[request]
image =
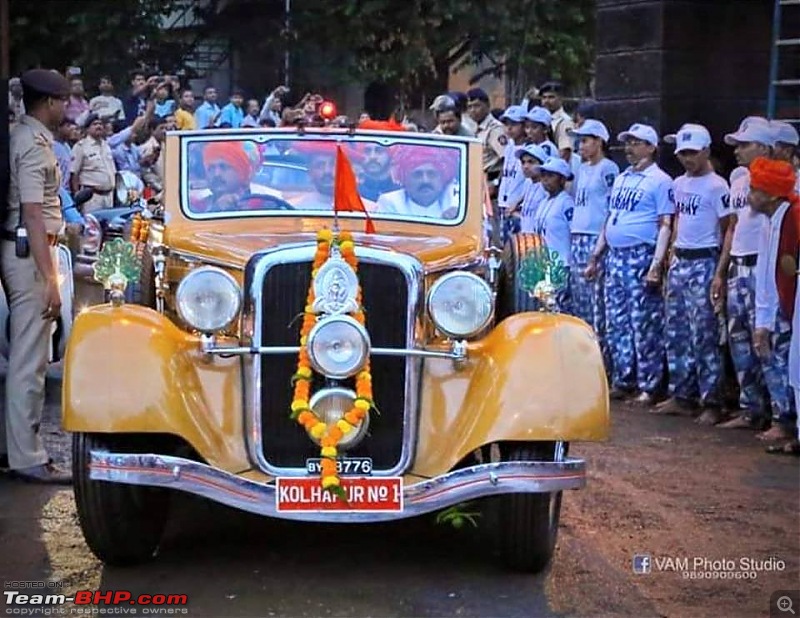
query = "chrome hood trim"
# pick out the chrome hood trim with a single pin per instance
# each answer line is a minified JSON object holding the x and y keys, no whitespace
{"x":260,"y":498}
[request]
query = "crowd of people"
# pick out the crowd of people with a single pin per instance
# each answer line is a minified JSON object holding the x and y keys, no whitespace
{"x":679,"y":277}
{"x":674,"y":275}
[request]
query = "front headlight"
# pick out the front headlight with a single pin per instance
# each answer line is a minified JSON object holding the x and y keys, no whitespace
{"x":460,"y":304}
{"x":330,"y":405}
{"x":208,"y":299}
{"x":338,"y":347}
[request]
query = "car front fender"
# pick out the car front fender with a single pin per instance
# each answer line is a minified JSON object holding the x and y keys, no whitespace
{"x":129,"y":369}
{"x":534,"y":377}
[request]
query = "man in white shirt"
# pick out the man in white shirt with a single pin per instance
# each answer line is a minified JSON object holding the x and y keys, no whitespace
{"x":787,"y":141}
{"x":702,"y":204}
{"x":736,"y":277}
{"x":429,"y":177}
{"x":106,"y":104}
{"x":771,"y":193}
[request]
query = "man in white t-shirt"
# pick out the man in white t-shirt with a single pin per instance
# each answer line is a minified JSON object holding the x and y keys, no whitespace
{"x":637,"y":234}
{"x":702,"y":204}
{"x":786,"y":145}
{"x":736,"y":278}
{"x":595,"y":178}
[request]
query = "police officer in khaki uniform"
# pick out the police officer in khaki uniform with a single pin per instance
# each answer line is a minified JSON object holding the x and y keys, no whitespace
{"x":28,"y":265}
{"x":93,"y":165}
{"x":492,"y":134}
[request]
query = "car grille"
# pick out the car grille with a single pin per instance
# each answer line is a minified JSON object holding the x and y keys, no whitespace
{"x":385,"y":298}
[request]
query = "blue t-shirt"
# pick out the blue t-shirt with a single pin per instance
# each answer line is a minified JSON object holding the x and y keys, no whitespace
{"x":638,"y":199}
{"x":166,"y":108}
{"x":231,"y":115}
{"x":700,"y":201}
{"x":552,"y":220}
{"x":592,"y":191}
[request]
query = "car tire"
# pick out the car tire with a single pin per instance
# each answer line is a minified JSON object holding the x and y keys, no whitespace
{"x":526,"y":523}
{"x":122,"y":524}
{"x":511,"y":298}
{"x":143,"y":292}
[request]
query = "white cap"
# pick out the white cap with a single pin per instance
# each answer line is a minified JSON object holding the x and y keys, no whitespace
{"x":514,"y":113}
{"x":644,"y":132}
{"x":557,"y":165}
{"x":752,"y":129}
{"x":540,"y":114}
{"x":533,"y":150}
{"x":784,"y":133}
{"x":590,"y":128}
{"x":689,"y":137}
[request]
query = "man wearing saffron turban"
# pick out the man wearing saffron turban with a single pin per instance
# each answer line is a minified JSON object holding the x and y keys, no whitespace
{"x":772,"y":194}
{"x":229,"y":168}
{"x":429,"y":177}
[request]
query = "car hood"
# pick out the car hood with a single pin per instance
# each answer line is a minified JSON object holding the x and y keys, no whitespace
{"x":434,"y":251}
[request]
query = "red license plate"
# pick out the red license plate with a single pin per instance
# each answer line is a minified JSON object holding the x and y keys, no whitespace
{"x":364,"y":494}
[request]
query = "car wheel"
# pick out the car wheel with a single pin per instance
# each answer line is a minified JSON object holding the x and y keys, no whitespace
{"x":122,"y":524}
{"x":143,"y":292}
{"x":511,"y":298}
{"x":527,"y":524}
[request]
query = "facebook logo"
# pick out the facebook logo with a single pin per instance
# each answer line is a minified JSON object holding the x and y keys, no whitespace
{"x":642,"y":563}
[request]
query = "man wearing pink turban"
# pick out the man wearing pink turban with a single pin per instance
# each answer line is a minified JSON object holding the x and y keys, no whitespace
{"x":428,"y":175}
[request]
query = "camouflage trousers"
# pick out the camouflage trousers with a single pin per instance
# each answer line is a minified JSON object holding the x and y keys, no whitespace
{"x":691,"y":331}
{"x":634,"y":315}
{"x":760,"y":380}
{"x":588,"y":302}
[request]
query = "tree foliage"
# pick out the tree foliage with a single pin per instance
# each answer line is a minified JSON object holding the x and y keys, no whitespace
{"x":101,"y":37}
{"x":410,"y":44}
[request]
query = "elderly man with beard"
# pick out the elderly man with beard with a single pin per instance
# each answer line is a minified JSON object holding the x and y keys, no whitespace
{"x":229,"y":168}
{"x":427,"y":175}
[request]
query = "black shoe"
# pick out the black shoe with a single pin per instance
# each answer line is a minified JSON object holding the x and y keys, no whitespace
{"x":4,"y":465}
{"x":619,"y":394}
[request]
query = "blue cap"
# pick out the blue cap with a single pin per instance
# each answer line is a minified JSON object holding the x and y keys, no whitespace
{"x":591,"y":128}
{"x":557,"y":165}
{"x":539,"y":114}
{"x":514,"y":113}
{"x":644,"y":132}
{"x":533,"y":150}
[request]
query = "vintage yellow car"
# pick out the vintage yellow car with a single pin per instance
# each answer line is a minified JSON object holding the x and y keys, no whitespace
{"x":280,"y":359}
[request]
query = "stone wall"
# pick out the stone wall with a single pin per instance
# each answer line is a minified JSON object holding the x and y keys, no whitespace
{"x":666,"y":62}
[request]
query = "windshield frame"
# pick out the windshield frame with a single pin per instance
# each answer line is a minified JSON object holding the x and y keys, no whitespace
{"x":265,"y":136}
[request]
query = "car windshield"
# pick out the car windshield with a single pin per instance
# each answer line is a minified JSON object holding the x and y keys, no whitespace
{"x":396,"y":178}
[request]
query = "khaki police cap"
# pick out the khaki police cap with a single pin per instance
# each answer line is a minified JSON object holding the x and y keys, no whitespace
{"x":46,"y":82}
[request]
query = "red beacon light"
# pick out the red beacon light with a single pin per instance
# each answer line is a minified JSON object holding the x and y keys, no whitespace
{"x":327,"y":110}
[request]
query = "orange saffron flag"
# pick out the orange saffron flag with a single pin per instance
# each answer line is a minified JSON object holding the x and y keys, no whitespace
{"x":346,"y":197}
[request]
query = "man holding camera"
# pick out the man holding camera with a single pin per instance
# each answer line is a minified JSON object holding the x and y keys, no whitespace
{"x":30,"y":276}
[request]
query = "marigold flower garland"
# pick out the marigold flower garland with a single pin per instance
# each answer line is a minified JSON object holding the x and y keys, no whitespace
{"x":140,"y":228}
{"x":329,"y":436}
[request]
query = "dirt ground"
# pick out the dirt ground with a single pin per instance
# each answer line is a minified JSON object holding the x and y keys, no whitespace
{"x":661,"y":486}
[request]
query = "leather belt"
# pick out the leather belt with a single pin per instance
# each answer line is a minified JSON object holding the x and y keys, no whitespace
{"x":52,"y":239}
{"x":745,"y":260}
{"x":98,"y":191}
{"x":696,"y":254}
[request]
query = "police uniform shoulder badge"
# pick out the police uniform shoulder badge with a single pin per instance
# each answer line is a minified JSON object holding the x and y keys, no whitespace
{"x":503,"y":140}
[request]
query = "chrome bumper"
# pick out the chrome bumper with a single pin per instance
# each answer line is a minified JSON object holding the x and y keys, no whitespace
{"x":419,"y":498}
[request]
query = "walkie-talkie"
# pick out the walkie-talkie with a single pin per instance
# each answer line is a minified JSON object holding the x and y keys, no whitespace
{"x":21,"y":246}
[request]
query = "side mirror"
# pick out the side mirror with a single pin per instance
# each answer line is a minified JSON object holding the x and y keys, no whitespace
{"x":82,"y":196}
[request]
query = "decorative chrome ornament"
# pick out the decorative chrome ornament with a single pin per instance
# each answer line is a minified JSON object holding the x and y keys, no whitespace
{"x":335,"y":287}
{"x":542,"y":274}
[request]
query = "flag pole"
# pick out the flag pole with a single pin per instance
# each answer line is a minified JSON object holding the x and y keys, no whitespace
{"x":335,"y":175}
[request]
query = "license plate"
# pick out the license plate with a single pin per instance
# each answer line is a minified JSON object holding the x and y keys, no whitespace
{"x":364,"y":494}
{"x":354,"y":466}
